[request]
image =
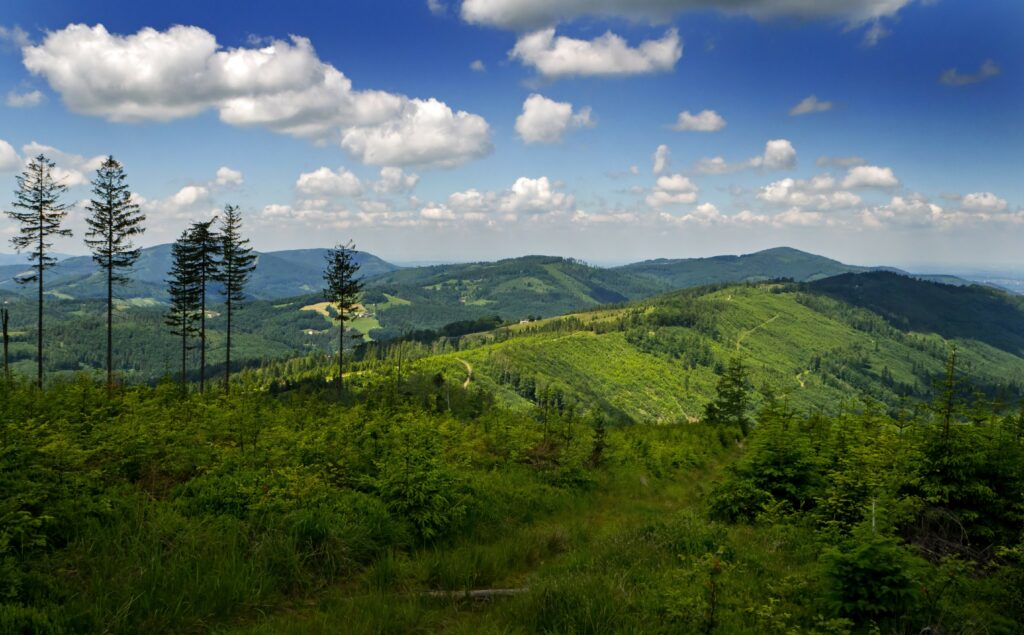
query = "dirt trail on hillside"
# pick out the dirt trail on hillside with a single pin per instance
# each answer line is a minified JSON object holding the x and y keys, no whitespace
{"x":739,"y":340}
{"x":469,"y":372}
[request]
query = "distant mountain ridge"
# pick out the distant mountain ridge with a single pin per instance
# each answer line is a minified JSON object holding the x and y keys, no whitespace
{"x":431,"y":296}
{"x":278,"y":274}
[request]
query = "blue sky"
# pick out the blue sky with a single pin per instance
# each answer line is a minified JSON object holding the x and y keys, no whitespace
{"x":907,"y":149}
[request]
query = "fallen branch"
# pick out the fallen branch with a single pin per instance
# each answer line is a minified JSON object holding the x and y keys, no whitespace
{"x":480,"y":595}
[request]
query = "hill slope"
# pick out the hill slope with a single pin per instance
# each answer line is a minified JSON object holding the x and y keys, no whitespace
{"x":657,"y":360}
{"x":429,"y":297}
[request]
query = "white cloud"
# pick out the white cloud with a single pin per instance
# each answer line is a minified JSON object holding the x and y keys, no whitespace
{"x":472,"y":200}
{"x":911,"y":210}
{"x":870,"y":176}
{"x":607,"y":54}
{"x":15,"y":99}
{"x":426,"y":133}
{"x":71,"y":169}
{"x":534,"y":196}
{"x":325,"y":182}
{"x":983,"y":202}
{"x":796,"y":217}
{"x":437,"y":213}
{"x":952,"y":77}
{"x":704,"y":121}
{"x":582,"y":217}
{"x":673,"y":189}
{"x":283,"y":86}
{"x":437,"y":7}
{"x":544,"y":120}
{"x":185,"y":204}
{"x":810,"y":105}
{"x":779,"y":154}
{"x":395,"y":181}
{"x":9,"y":159}
{"x":227,"y":177}
{"x":876,"y":32}
{"x":478,"y":66}
{"x":14,"y":36}
{"x":530,"y":14}
{"x":819,"y":193}
{"x":660,"y":158}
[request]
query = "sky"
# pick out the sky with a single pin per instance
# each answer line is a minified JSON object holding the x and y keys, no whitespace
{"x":871,"y":131}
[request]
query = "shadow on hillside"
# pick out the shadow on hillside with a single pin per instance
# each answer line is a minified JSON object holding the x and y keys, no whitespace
{"x":969,"y":312}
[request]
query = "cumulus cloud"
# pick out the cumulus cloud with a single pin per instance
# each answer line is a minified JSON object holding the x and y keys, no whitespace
{"x":870,"y":176}
{"x":534,"y":196}
{"x":478,"y":66}
{"x":810,"y":105}
{"x":704,"y":121}
{"x":910,"y":210}
{"x":952,"y":77}
{"x":544,"y":120}
{"x":818,"y":192}
{"x":983,"y":202}
{"x":426,"y":133}
{"x":519,"y":15}
{"x":71,"y":169}
{"x":325,"y":182}
{"x":32,"y":98}
{"x":437,"y":7}
{"x":797,"y":217}
{"x":283,"y":86}
{"x":9,"y":159}
{"x":608,"y":54}
{"x":226,"y":177}
{"x":779,"y":154}
{"x":674,"y":189}
{"x":395,"y":181}
{"x":660,"y":158}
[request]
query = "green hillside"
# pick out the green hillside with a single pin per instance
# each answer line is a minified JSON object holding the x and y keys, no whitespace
{"x":429,"y":297}
{"x":658,"y":360}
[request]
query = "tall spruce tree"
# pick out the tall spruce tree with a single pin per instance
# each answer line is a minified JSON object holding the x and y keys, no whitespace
{"x":343,"y":288}
{"x":204,"y":246}
{"x":114,"y":220}
{"x":237,"y":263}
{"x":39,"y":212}
{"x":183,"y":288}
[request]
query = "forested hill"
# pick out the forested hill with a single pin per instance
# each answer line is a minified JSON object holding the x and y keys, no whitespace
{"x":278,"y":274}
{"x":879,"y":336}
{"x":429,"y":297}
{"x":780,"y":262}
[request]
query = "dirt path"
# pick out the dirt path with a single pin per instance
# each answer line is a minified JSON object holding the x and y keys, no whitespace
{"x":739,"y":340}
{"x":469,"y":372}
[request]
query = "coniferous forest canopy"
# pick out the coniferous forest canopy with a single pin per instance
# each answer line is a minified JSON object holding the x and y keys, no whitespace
{"x":237,"y":416}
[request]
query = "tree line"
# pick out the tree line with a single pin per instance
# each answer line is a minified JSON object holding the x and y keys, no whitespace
{"x":207,"y":253}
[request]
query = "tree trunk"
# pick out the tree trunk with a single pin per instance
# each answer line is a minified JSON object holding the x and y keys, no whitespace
{"x":341,"y":354}
{"x":202,"y":333}
{"x":39,"y":338}
{"x":184,"y":350}
{"x":7,"y":367}
{"x":227,"y":358}
{"x":110,"y":327}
